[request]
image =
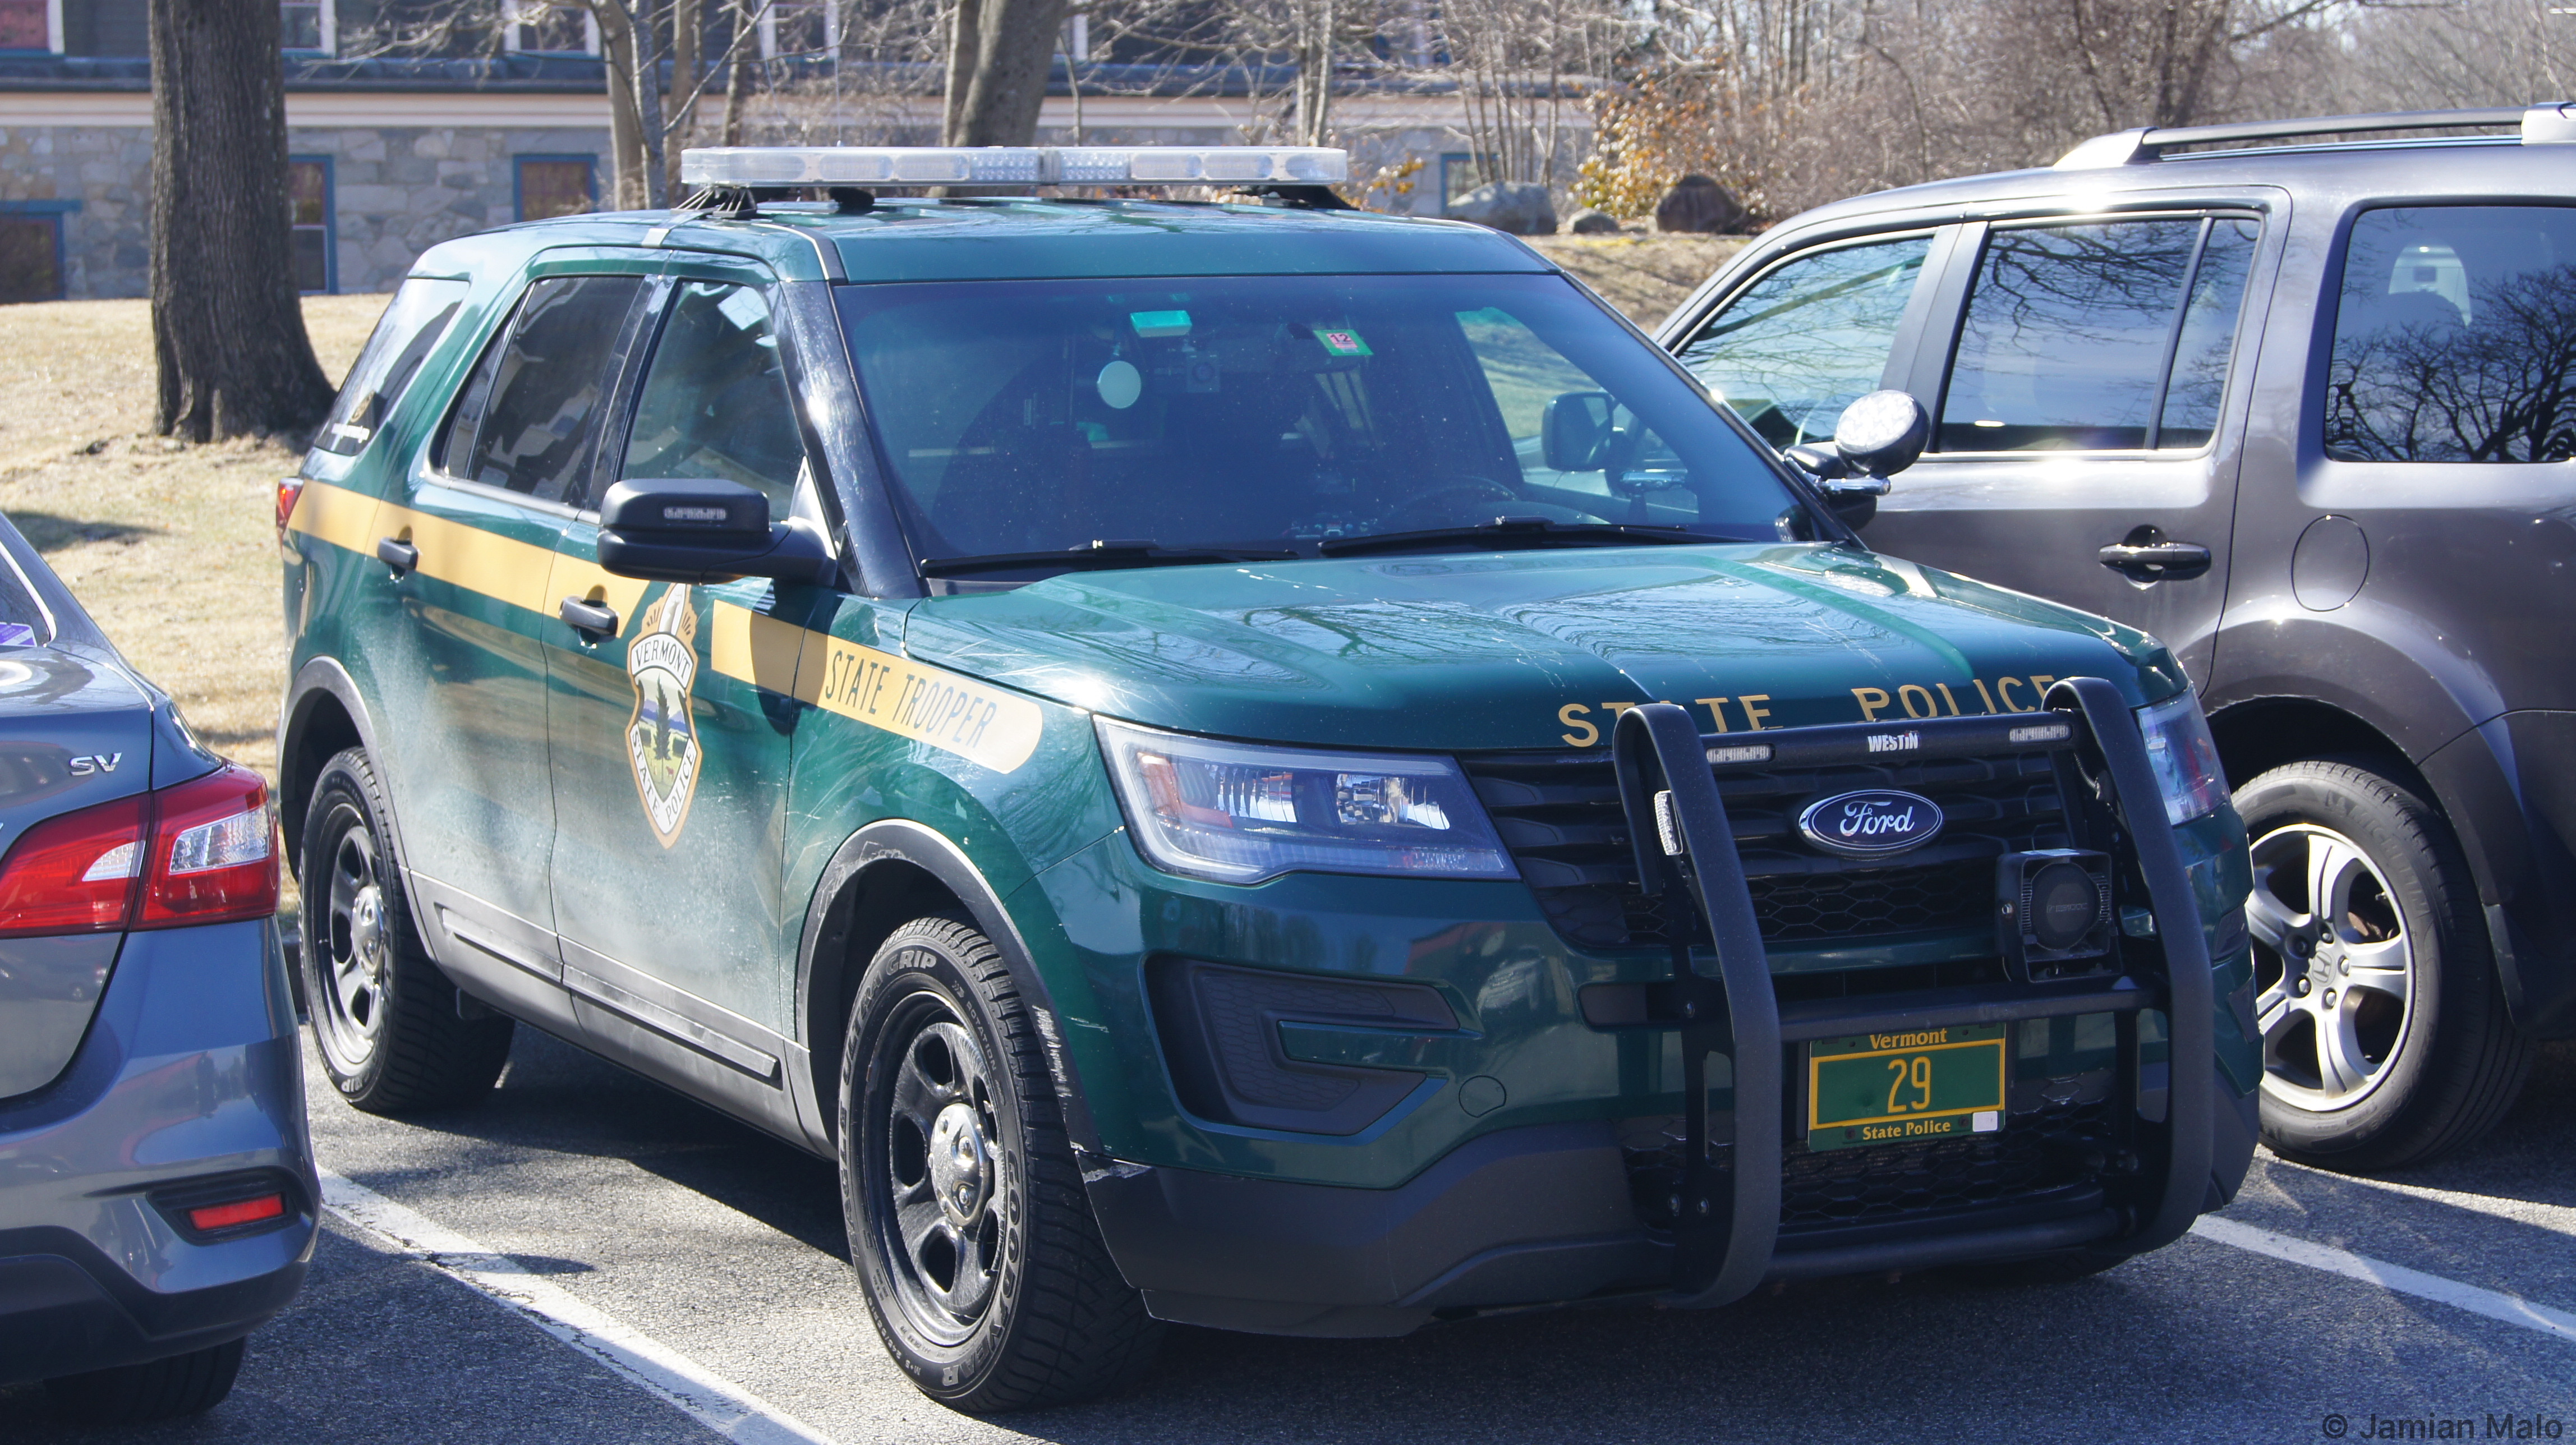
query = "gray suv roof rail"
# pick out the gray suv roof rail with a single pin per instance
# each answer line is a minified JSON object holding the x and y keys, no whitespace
{"x":2550,"y":123}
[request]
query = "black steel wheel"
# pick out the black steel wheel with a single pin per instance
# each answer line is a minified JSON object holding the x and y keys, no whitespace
{"x":385,"y":1019}
{"x":973,"y":1241}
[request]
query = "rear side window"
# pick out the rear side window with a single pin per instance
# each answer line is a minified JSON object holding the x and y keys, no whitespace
{"x":2455,"y":337}
{"x":1809,"y":338}
{"x":2100,"y":336}
{"x":410,"y":329}
{"x":715,"y":401}
{"x":531,"y":410}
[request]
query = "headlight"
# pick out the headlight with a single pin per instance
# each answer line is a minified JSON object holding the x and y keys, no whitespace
{"x":1240,"y":814}
{"x":2184,"y":756}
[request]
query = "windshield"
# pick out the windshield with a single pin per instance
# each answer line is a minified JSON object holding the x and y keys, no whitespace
{"x":1283,"y":413}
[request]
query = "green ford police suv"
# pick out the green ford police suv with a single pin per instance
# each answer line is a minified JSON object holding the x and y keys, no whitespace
{"x":1239,"y":763}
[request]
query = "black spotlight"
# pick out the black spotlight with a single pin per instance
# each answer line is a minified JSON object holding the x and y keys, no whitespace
{"x":2053,"y":910}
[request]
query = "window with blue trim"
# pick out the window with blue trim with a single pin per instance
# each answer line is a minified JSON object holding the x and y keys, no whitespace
{"x":31,"y":254}
{"x":308,"y":191}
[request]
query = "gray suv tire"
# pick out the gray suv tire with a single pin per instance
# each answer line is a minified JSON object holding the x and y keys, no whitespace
{"x":2385,"y":1037}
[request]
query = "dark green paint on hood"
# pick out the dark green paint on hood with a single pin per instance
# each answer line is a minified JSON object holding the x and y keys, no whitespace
{"x":1528,"y":650}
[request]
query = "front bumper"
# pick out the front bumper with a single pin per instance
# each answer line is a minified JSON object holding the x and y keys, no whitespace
{"x":2114,"y":1154}
{"x":191,"y":1070}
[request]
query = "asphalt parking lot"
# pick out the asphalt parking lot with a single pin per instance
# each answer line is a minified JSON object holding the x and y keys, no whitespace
{"x":705,"y":1257}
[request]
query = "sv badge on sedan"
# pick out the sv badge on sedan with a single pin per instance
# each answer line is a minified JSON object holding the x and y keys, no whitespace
{"x":1871,"y":823}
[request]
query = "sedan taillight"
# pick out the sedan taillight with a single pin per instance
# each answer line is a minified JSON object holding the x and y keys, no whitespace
{"x":204,"y":851}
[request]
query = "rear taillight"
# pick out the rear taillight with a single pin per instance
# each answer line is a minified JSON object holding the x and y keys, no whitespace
{"x":288,"y":489}
{"x":211,"y":858}
{"x":213,"y":1217}
{"x":214,"y":852}
{"x":76,"y":873}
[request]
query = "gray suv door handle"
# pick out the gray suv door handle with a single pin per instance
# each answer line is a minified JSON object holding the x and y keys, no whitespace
{"x":2147,"y":556}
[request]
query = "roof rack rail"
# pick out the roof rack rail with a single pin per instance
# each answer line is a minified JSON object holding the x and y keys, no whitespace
{"x":2550,"y":123}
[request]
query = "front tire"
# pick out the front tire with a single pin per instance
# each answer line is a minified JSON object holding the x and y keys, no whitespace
{"x":973,"y":1240}
{"x":384,"y":1017}
{"x":2385,"y":1036}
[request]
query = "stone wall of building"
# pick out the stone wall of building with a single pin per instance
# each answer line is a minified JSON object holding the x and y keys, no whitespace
{"x":396,"y":192}
{"x":102,"y":178}
{"x":399,"y":191}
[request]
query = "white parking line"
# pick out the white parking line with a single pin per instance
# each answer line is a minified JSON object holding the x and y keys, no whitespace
{"x":2494,"y":1304}
{"x":709,"y":1398}
{"x":2556,"y":1218}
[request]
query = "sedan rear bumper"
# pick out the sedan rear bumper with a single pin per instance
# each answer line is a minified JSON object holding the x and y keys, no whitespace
{"x":191,"y":1070}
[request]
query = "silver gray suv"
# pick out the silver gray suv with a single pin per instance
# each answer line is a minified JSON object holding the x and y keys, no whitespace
{"x":2302,"y":403}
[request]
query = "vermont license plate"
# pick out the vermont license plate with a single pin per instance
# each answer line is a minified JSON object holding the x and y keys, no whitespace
{"x":1897,"y":1088}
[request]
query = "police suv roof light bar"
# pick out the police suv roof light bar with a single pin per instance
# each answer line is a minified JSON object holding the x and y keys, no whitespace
{"x":729,"y":167}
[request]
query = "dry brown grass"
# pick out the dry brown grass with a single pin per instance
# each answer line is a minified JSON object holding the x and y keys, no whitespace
{"x":1645,"y":276}
{"x":172,"y":548}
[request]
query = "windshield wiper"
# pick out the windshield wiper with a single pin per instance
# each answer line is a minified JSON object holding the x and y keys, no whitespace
{"x":1507,"y":533}
{"x":1099,"y":556}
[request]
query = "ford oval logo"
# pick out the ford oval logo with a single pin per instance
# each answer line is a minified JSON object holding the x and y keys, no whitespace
{"x":1871,"y":823}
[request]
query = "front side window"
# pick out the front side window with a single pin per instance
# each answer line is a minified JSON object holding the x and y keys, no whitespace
{"x":1809,"y":338}
{"x":715,"y":401}
{"x":2455,"y":337}
{"x":404,"y":336}
{"x":530,"y":412}
{"x":2098,"y":336}
{"x":1284,"y":413}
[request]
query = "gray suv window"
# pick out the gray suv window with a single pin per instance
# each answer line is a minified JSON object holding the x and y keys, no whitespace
{"x":1808,"y":338}
{"x":2455,"y":337}
{"x":2078,"y":337}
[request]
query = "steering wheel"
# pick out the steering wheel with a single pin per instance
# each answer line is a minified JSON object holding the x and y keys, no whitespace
{"x":1432,"y":508}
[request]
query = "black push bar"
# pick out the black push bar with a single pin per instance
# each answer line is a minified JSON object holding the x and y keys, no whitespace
{"x":1726,"y":1231}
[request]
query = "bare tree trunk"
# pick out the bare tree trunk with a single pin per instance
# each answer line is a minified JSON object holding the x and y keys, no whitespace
{"x":687,"y":25}
{"x":625,"y":133}
{"x":227,"y":328}
{"x":1014,"y":49}
{"x":738,"y":81}
{"x":965,"y":51}
{"x":648,"y":101}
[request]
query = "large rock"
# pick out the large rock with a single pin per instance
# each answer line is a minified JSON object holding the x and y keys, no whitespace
{"x":1697,"y":205}
{"x":1519,"y":207}
{"x":1589,"y":222}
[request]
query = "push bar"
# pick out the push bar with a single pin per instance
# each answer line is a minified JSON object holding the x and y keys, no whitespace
{"x":1683,"y":843}
{"x":1677,"y":824}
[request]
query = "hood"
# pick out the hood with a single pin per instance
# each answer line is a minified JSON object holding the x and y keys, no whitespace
{"x":1530,"y":649}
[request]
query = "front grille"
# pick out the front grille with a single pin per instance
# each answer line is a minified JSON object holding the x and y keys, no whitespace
{"x":2035,"y":1153}
{"x":1559,"y":814}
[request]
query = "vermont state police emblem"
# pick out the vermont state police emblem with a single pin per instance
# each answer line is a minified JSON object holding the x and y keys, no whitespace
{"x":662,"y":736}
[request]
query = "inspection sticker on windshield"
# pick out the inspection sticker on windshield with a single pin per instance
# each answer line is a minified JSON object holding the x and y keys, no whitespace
{"x":1343,"y":343}
{"x":17,"y":634}
{"x":1160,"y":323}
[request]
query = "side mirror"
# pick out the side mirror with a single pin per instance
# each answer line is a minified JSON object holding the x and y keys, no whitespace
{"x":703,"y":530}
{"x":1575,"y":431}
{"x":1882,"y":434}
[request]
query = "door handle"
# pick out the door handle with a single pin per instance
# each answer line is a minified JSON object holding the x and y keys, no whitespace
{"x":590,"y":617}
{"x":399,"y":555}
{"x":2147,"y":555}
